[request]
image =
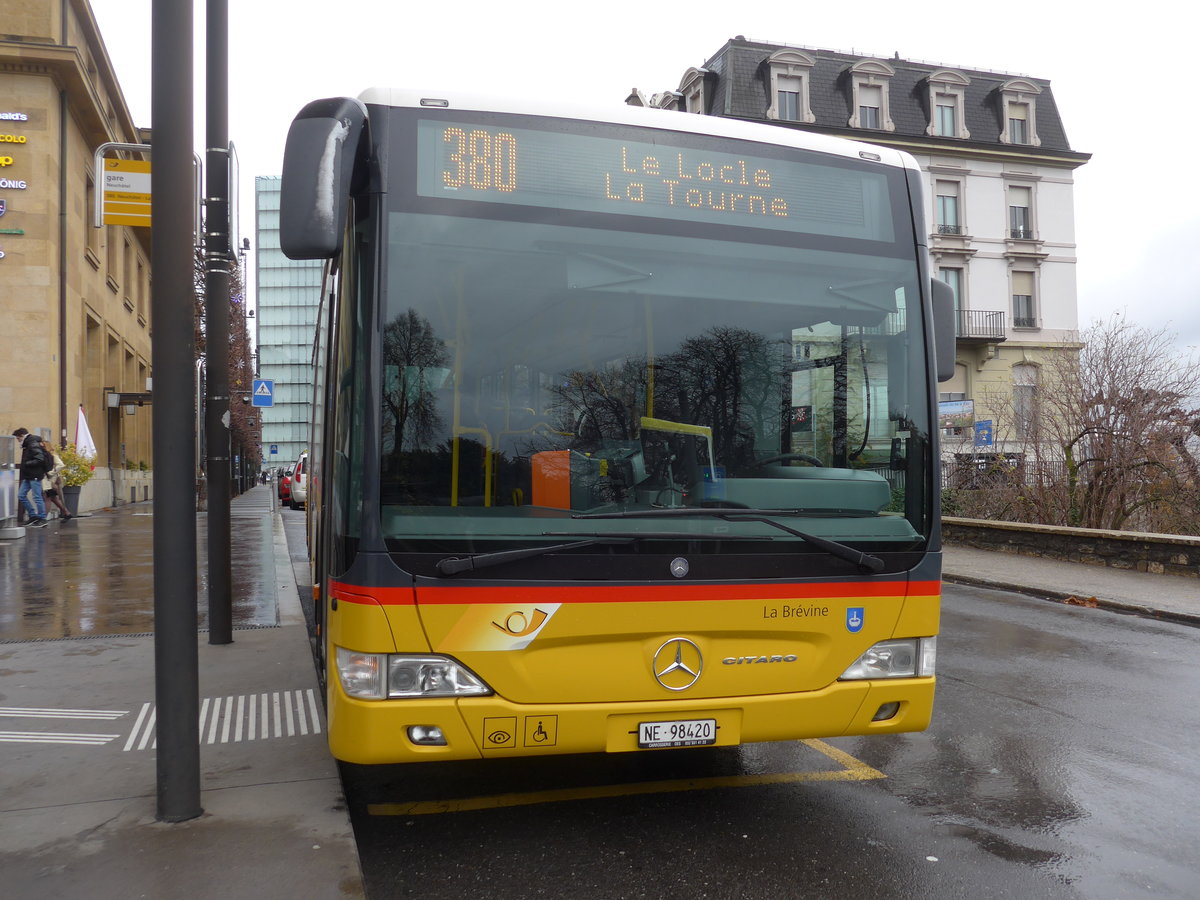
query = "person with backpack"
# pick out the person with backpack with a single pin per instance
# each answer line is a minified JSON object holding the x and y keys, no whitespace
{"x":35,"y":463}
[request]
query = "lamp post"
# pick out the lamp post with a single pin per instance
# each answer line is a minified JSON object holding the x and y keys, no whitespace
{"x":217,"y":263}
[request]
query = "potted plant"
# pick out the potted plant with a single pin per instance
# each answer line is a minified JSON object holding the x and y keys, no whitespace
{"x":76,"y":471}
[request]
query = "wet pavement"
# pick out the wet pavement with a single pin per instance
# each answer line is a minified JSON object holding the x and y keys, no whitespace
{"x":79,"y":724}
{"x":94,"y":575}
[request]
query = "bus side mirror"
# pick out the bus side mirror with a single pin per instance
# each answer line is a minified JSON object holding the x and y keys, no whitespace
{"x":318,"y":165}
{"x":943,"y":328}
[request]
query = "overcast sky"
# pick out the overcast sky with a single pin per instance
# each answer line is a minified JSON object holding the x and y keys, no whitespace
{"x":1119,"y":76}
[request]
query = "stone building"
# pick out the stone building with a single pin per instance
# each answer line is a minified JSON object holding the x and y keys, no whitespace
{"x":74,"y":299}
{"x":998,"y":202}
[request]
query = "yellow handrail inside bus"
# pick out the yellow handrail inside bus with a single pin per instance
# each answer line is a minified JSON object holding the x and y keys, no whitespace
{"x":704,"y":431}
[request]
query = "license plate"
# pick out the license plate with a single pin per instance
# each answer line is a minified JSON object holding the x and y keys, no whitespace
{"x":682,"y":733}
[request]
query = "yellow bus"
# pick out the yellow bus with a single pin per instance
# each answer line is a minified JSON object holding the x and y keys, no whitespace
{"x":622,"y":435}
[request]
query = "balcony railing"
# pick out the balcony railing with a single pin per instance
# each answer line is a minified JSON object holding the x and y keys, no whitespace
{"x":1023,"y":322}
{"x":1021,"y":232}
{"x":949,"y":229}
{"x":980,"y":324}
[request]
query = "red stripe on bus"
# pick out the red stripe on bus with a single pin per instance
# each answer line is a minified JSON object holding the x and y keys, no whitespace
{"x":661,"y":593}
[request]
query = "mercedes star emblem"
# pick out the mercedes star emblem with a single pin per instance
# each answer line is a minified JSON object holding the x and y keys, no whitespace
{"x":678,"y":664}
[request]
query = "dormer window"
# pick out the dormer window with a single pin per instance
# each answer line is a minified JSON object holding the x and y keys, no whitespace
{"x":1018,"y":123}
{"x":870,"y":102}
{"x":666,"y":100}
{"x":947,"y":104}
{"x":1018,"y":99}
{"x":869,"y":79}
{"x":789,"y":73}
{"x":692,"y":89}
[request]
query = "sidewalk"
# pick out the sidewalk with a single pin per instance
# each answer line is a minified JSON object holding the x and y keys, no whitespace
{"x":1161,"y":596}
{"x":77,"y":736}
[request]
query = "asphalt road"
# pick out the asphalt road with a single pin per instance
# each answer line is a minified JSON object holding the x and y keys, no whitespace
{"x":1059,"y":764}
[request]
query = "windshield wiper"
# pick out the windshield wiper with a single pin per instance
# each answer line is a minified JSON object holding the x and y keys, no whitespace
{"x":453,"y":565}
{"x":865,"y":561}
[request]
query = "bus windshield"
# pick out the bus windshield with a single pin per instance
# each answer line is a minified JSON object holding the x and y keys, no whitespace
{"x":556,"y":364}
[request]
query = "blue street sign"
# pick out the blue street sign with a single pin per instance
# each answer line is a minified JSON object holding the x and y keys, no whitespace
{"x":274,"y":449}
{"x":264,"y":392}
{"x":983,"y":433}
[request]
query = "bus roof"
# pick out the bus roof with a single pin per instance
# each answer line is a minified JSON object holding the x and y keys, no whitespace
{"x":620,"y":114}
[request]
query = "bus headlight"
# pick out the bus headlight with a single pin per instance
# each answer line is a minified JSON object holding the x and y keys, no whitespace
{"x":361,"y":674}
{"x":376,"y":676}
{"x":432,"y":676}
{"x":908,"y":658}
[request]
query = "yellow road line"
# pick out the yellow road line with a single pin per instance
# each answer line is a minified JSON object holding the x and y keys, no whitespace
{"x":854,"y":770}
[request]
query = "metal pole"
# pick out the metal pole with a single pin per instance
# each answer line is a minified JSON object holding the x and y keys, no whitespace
{"x":176,"y":656}
{"x":217,"y":260}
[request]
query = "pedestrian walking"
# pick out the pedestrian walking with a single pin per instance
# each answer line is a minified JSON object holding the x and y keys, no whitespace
{"x":36,"y":461}
{"x":52,"y":486}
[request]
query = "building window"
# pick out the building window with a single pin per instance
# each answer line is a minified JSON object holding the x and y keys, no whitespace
{"x":954,"y":278}
{"x":1023,"y":300}
{"x":1018,"y":123}
{"x":1020,"y":206}
{"x":692,"y":89}
{"x":869,"y":79}
{"x":113,"y":257}
{"x":1025,"y":400}
{"x":870,"y":102}
{"x":91,"y":239}
{"x":1018,"y":113}
{"x":946,"y":210}
{"x":788,"y":78}
{"x":947,"y":104}
{"x":141,"y":290}
{"x":130,"y":285}
{"x":787,"y":102}
{"x":947,"y":119}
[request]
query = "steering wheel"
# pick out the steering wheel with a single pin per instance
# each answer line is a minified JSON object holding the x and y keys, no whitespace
{"x":786,"y":457}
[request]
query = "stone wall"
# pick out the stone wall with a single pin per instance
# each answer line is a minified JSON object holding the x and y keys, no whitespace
{"x":1168,"y":554}
{"x":116,"y":487}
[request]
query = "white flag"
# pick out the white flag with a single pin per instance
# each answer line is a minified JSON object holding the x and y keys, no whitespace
{"x":84,"y":444}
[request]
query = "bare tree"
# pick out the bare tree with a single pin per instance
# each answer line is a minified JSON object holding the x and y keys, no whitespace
{"x":245,"y":424}
{"x":1107,"y":439}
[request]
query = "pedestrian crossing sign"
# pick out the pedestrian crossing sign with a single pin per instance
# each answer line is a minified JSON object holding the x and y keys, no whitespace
{"x":264,"y":392}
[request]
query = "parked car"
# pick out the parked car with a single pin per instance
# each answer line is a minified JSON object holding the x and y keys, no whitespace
{"x":299,"y":486}
{"x":285,"y":486}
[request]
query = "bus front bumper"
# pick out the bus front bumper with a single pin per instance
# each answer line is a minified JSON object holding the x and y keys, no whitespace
{"x":382,"y":731}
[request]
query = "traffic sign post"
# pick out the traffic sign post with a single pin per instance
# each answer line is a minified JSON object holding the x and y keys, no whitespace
{"x":264,"y":392}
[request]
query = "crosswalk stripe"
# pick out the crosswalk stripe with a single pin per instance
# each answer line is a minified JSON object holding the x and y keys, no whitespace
{"x":22,"y":712}
{"x":244,"y":717}
{"x":48,"y":737}
{"x":137,"y":726}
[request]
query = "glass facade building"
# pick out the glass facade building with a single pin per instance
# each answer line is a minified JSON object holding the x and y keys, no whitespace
{"x":289,"y":293}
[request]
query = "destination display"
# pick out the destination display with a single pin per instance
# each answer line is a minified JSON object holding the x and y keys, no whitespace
{"x":526,"y":167}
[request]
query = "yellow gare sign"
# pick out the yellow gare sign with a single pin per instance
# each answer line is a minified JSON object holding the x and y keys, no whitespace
{"x":126,"y":192}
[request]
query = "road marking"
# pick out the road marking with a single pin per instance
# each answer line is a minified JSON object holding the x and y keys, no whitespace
{"x":240,"y":719}
{"x":50,"y":737}
{"x":853,"y":770}
{"x":137,"y":726}
{"x":19,"y":712}
{"x":229,"y":719}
